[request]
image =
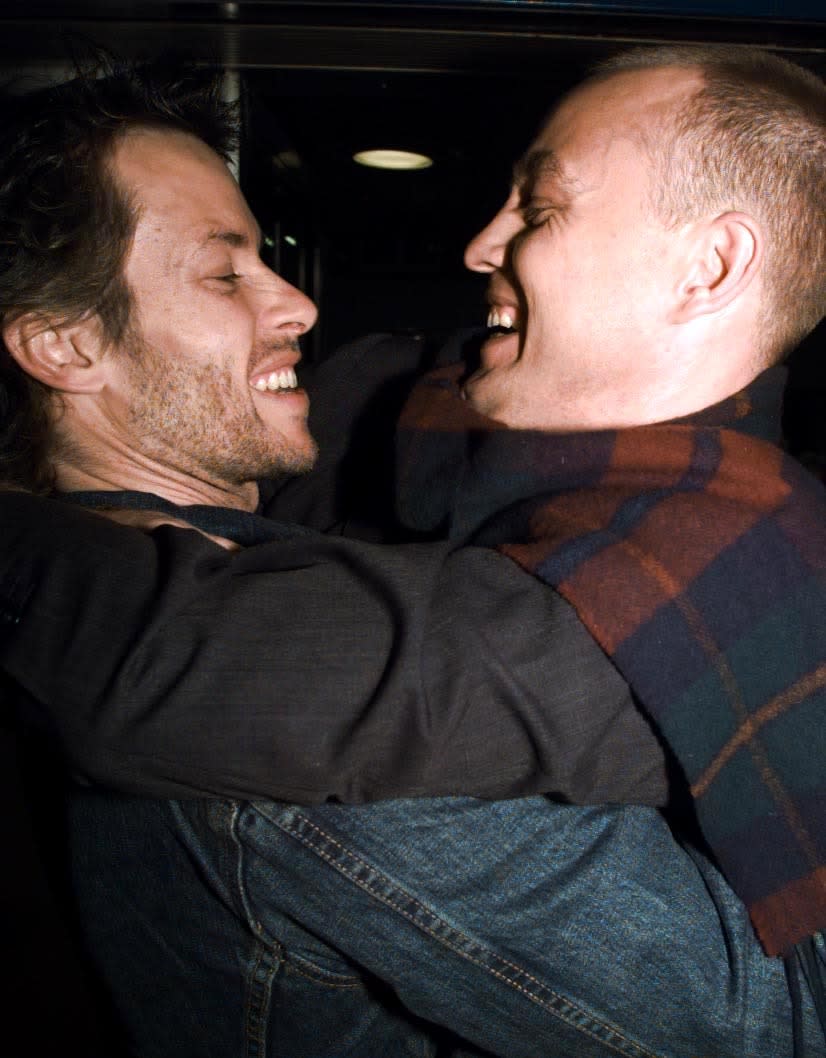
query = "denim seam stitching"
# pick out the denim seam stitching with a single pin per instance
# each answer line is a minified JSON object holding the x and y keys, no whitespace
{"x":559,"y":1006}
{"x":353,"y":985}
{"x":267,"y":958}
{"x":288,"y":959}
{"x":257,"y":1002}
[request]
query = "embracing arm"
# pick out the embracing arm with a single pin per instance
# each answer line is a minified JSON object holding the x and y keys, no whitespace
{"x":308,"y":669}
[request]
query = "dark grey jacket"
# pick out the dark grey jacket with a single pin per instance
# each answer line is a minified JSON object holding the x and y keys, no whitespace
{"x":307,"y":668}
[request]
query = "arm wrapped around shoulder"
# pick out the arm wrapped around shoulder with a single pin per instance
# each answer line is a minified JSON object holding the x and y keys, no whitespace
{"x":308,"y":669}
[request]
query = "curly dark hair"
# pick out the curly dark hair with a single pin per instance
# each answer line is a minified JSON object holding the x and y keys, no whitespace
{"x":65,"y":225}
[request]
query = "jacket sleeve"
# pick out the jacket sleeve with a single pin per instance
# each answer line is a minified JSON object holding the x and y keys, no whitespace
{"x":310,"y":669}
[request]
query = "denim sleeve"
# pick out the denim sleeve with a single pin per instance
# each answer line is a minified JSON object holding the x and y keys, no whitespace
{"x":308,"y":670}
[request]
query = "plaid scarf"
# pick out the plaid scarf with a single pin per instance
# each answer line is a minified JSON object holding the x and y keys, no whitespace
{"x":694,"y":551}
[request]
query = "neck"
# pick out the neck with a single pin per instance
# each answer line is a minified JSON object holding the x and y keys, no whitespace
{"x":182,"y":490}
{"x":681,"y":381}
{"x":91,"y":451}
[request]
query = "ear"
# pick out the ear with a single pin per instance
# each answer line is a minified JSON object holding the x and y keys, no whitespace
{"x":64,"y":356}
{"x":726,"y":257}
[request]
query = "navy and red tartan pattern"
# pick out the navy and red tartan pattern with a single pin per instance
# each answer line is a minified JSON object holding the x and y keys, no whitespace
{"x":695,"y":553}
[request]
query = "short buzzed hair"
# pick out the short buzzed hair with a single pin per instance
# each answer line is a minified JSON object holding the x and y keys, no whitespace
{"x":752,"y":139}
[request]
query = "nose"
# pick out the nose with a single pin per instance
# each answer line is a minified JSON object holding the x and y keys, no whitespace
{"x":486,"y":251}
{"x":285,"y":308}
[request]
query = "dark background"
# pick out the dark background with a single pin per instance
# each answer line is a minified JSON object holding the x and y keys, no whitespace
{"x":465,"y":82}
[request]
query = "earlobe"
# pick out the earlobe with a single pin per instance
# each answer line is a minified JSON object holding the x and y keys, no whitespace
{"x":726,"y":259}
{"x":64,"y":357}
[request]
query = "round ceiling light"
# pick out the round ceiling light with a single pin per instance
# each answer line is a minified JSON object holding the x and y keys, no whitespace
{"x":387,"y":159}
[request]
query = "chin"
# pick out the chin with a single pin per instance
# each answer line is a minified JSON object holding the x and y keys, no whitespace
{"x":299,"y":458}
{"x":478,"y":395}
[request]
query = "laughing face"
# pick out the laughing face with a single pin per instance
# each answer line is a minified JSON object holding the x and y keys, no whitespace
{"x":206,"y":386}
{"x":581,"y":270}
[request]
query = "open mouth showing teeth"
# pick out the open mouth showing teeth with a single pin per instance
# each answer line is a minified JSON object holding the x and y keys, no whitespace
{"x":500,"y":321}
{"x":277,"y":380}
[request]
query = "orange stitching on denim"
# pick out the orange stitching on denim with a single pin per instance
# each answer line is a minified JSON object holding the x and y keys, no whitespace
{"x":638,"y":1050}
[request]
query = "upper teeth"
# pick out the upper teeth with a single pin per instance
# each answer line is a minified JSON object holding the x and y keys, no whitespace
{"x":284,"y":379}
{"x":499,"y":319}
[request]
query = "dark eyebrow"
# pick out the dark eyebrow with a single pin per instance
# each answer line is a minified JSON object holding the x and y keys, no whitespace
{"x":534,"y":164}
{"x":236,"y":239}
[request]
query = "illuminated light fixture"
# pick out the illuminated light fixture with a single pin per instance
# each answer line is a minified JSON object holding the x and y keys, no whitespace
{"x":387,"y":159}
